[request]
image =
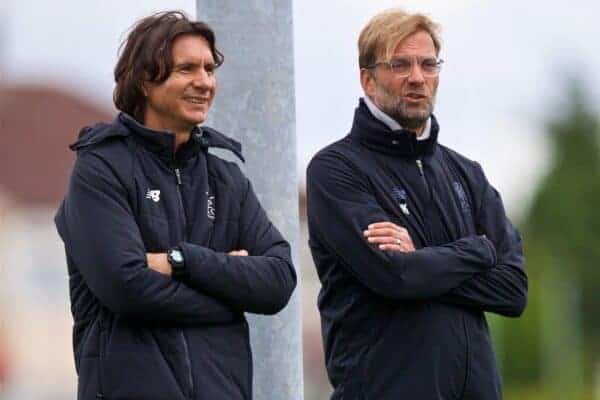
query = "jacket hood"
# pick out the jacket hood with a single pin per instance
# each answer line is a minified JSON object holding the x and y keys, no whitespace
{"x":91,"y":135}
{"x":213,"y":138}
{"x":377,"y":136}
{"x":202,"y":138}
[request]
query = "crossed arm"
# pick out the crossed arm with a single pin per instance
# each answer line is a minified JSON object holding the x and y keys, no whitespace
{"x":484,"y":271}
{"x":160,"y":263}
{"x":502,"y":290}
{"x":102,"y":238}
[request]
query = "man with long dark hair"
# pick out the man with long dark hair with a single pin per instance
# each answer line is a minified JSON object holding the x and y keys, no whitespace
{"x":167,"y":245}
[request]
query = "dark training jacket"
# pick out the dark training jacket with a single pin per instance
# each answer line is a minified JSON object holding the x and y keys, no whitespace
{"x":139,"y":334}
{"x":410,"y":325}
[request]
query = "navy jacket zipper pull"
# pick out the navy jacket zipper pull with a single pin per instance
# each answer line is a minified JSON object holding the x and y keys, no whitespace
{"x":420,"y":166}
{"x":178,"y":176}
{"x":180,"y":198}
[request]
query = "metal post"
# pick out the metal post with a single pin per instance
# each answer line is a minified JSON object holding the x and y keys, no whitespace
{"x":255,"y":104}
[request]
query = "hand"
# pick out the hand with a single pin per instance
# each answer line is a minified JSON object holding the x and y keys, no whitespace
{"x":389,"y":236}
{"x":240,"y":253}
{"x":159,"y":263}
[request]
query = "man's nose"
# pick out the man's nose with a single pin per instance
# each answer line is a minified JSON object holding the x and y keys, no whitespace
{"x":416,"y":75}
{"x":203,"y":80}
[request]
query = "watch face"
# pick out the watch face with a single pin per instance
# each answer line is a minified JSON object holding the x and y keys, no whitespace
{"x":177,"y":256}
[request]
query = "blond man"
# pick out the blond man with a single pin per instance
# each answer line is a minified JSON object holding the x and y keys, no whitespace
{"x":410,"y":240}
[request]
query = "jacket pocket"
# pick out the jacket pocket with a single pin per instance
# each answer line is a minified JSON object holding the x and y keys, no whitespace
{"x":413,"y":360}
{"x":417,"y":379}
{"x":88,"y":361}
{"x":223,"y":361}
{"x":144,"y":363}
{"x":136,"y":375}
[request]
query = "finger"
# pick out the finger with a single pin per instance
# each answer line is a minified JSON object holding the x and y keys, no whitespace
{"x":390,"y":247}
{"x":384,"y":240}
{"x":383,"y":224}
{"x":405,"y":237}
{"x":238,"y":253}
{"x":393,"y":247}
{"x":383,"y":232}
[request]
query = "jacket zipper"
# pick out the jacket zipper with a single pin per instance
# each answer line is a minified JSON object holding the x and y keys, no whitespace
{"x":189,"y":361}
{"x":180,"y":197}
{"x":419,"y":163}
{"x":100,"y":394}
{"x":467,"y":359}
{"x":184,"y":225}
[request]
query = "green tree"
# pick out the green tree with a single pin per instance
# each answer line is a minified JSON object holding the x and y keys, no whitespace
{"x":561,"y":328}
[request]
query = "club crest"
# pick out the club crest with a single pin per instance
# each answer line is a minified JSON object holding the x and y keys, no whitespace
{"x":400,"y":197}
{"x":462,"y":198}
{"x":210,"y":206}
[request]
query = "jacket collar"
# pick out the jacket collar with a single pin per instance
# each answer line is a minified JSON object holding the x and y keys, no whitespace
{"x":374,"y":134}
{"x":161,"y":143}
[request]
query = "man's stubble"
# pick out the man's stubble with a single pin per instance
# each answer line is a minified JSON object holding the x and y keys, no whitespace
{"x":398,"y":109}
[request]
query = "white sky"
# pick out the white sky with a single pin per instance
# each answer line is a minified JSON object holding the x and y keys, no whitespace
{"x":506,"y":66}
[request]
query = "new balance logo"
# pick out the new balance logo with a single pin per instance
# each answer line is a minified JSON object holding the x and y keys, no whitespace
{"x":153,"y":195}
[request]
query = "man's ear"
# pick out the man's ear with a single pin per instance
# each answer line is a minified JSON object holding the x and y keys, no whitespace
{"x":367,"y":81}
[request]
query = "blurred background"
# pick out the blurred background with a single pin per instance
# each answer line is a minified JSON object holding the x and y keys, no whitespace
{"x":519,"y":92}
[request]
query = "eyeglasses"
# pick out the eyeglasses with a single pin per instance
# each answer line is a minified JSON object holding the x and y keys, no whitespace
{"x":402,"y":66}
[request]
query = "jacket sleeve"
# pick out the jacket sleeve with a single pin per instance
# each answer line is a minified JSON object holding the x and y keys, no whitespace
{"x":341,"y":204}
{"x":260,"y":283}
{"x":103,"y":240}
{"x":502,"y":289}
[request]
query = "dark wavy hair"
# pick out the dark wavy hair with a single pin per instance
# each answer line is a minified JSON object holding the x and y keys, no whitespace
{"x":145,"y":56}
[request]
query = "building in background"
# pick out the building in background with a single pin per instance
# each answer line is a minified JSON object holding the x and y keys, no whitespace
{"x":37,"y":124}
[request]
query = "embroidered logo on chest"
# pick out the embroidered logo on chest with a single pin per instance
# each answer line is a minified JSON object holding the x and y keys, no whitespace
{"x":462,"y":198}
{"x":399,"y":196}
{"x":153,"y":195}
{"x":210,"y":206}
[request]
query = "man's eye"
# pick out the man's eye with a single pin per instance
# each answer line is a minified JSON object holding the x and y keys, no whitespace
{"x":400,"y":64}
{"x":210,"y":69}
{"x":430,"y":64}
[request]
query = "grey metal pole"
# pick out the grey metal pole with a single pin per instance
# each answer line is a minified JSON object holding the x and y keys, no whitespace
{"x":255,"y":104}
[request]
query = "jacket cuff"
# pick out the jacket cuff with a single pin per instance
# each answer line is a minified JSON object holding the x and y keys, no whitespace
{"x":195,"y":257}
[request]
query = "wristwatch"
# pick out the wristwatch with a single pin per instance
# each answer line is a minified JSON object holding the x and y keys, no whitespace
{"x":175,"y":258}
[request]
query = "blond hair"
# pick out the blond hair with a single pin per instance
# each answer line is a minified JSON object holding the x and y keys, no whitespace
{"x":387,"y":29}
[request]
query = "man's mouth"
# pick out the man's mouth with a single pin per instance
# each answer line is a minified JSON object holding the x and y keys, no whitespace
{"x":415,"y":96}
{"x":196,"y":99}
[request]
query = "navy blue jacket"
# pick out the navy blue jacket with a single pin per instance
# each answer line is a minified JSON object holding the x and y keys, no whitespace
{"x":410,"y":325}
{"x":139,"y":334}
